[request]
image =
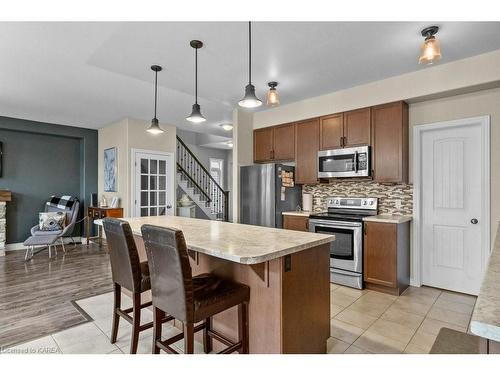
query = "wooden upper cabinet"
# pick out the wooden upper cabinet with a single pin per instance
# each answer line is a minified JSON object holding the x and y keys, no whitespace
{"x":331,"y":131}
{"x":306,"y":151}
{"x":284,"y":142}
{"x":263,"y":144}
{"x":390,"y":142}
{"x":276,"y":143}
{"x":380,"y":254}
{"x":357,"y":127}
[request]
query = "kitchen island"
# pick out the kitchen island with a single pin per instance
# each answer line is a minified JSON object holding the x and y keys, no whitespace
{"x":288,"y":273}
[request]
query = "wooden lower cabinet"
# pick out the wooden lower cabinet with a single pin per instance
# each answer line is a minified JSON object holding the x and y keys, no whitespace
{"x":387,"y":256}
{"x":294,"y":222}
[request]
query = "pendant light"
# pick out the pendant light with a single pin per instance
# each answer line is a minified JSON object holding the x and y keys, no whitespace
{"x":196,"y":115}
{"x":430,"y":51}
{"x":250,"y":100}
{"x":154,"y":128}
{"x":273,"y":99}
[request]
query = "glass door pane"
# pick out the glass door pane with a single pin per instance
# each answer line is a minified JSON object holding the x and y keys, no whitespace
{"x":151,"y":173}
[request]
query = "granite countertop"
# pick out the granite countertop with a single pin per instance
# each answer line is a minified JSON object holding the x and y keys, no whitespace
{"x":388,"y":218}
{"x":485,"y":320}
{"x":245,"y":244}
{"x":297,"y":213}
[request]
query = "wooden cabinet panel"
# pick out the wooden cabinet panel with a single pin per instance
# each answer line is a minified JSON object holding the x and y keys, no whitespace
{"x":284,"y":142}
{"x":390,"y":142}
{"x":380,"y":254}
{"x":296,"y":223}
{"x":262,"y":144}
{"x":306,"y":151}
{"x":357,"y":127}
{"x":331,"y":131}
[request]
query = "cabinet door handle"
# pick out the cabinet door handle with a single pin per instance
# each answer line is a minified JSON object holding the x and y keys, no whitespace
{"x":345,"y":141}
{"x":341,"y":141}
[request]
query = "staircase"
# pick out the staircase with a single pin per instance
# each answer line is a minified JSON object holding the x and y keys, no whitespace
{"x":194,"y":179}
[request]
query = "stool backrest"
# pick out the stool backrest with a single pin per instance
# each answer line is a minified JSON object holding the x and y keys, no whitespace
{"x":170,"y":271}
{"x":125,"y":263}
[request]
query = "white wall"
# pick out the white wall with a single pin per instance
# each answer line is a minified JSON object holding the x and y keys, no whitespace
{"x":126,"y":135}
{"x":242,"y":153}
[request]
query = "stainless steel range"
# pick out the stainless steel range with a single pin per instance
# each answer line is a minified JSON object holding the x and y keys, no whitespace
{"x":344,"y":219}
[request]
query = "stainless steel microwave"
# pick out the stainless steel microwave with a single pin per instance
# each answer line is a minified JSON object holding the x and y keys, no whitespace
{"x":344,"y":162}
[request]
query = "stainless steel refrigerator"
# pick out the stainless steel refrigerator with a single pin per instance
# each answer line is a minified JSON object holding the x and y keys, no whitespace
{"x":264,"y":194}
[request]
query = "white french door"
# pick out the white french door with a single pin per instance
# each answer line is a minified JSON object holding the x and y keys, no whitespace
{"x":453,"y":183}
{"x":152,"y":183}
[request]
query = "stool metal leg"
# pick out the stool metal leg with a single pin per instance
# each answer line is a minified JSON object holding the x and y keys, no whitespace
{"x":62,"y":244}
{"x":50,"y":251}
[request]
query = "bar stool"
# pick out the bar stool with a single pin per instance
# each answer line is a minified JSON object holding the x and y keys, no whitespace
{"x":190,"y":299}
{"x":127,"y":272}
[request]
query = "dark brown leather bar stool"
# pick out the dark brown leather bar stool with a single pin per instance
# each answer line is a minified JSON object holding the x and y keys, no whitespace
{"x":127,"y":272}
{"x":190,"y":299}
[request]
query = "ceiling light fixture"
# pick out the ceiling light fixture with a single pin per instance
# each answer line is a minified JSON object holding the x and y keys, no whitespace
{"x":430,"y":51}
{"x":273,"y":99}
{"x":154,"y":128}
{"x":250,"y":100}
{"x":227,"y":127}
{"x":196,"y":115}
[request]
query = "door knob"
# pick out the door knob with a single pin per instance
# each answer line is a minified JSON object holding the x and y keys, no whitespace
{"x":474,"y":221}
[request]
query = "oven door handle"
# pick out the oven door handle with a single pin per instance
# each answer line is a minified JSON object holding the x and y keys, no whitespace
{"x":334,"y":224}
{"x":355,"y":162}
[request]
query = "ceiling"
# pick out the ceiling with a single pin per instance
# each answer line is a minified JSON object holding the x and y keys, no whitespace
{"x":89,"y":74}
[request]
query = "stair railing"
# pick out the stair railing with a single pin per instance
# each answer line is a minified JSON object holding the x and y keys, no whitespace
{"x":216,"y":198}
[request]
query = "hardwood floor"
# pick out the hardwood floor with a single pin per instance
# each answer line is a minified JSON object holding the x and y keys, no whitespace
{"x":35,"y":296}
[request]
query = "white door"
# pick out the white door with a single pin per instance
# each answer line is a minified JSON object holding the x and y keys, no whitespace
{"x":152,"y":196}
{"x":453,"y":213}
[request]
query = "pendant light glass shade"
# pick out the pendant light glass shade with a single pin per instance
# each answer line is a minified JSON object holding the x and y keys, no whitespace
{"x":273,"y":99}
{"x":430,"y":51}
{"x":250,"y":100}
{"x":196,"y":115}
{"x":154,"y":128}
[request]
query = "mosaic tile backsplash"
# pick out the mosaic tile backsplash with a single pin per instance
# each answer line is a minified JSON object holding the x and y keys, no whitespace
{"x":392,"y":198}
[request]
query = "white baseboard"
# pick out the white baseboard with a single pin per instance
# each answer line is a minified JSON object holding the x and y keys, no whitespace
{"x":19,"y":245}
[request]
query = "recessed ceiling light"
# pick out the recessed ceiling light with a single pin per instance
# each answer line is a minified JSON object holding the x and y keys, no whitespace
{"x":227,"y":127}
{"x":430,"y":51}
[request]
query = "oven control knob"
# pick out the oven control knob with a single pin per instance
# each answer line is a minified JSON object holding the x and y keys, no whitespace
{"x":371,"y":203}
{"x":364,"y":203}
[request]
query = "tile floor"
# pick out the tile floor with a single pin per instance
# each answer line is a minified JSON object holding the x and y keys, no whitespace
{"x":362,"y":321}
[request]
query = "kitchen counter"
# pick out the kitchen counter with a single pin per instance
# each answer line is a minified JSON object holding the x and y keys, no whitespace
{"x":288,"y":273}
{"x":485,"y":320}
{"x":240,"y":243}
{"x":388,"y":218}
{"x":297,"y":213}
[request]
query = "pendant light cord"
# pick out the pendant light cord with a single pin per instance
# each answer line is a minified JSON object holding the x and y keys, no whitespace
{"x":250,"y":52}
{"x":156,"y":88}
{"x":196,"y":75}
